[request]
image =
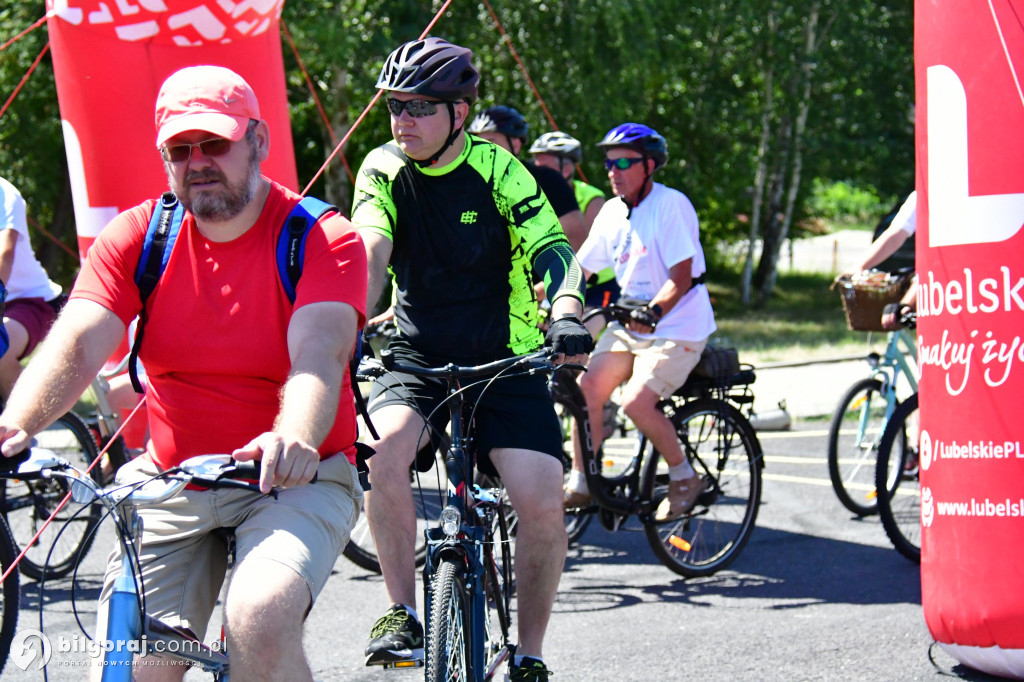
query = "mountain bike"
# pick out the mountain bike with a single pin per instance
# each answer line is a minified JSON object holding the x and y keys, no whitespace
{"x":898,"y":481}
{"x":468,"y":580}
{"x":855,"y":431}
{"x":131,"y":631}
{"x":719,"y":443}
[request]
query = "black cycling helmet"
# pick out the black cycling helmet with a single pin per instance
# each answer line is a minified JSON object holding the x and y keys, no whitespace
{"x":558,"y":144}
{"x":640,"y":138}
{"x":432,"y":67}
{"x":501,"y":119}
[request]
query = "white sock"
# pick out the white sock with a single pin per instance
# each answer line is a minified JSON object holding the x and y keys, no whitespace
{"x":681,"y":471}
{"x":517,"y":660}
{"x":577,"y":481}
{"x":412,"y":611}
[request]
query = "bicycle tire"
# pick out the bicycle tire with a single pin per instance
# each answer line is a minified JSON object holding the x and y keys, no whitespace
{"x":449,"y":631}
{"x":899,"y":489}
{"x":27,"y":505}
{"x":10,"y":593}
{"x":853,"y":437}
{"x":721,"y":446}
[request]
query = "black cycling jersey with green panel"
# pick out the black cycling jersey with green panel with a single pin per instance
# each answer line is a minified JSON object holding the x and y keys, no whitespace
{"x":467,"y":239}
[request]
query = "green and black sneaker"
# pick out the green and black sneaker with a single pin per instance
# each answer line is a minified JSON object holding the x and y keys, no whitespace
{"x":528,"y":670}
{"x":397,"y":638}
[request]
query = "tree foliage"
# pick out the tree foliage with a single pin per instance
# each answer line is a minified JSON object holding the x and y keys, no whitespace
{"x":757,"y":98}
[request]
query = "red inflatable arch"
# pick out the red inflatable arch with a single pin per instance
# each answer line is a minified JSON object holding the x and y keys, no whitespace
{"x":969,"y":58}
{"x":110,"y":58}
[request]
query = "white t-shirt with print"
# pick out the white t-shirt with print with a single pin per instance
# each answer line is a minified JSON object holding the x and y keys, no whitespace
{"x":28,"y":279}
{"x":642,"y":246}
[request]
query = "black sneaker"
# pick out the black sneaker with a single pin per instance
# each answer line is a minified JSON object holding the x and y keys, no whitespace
{"x":397,"y":636}
{"x":530,"y":670}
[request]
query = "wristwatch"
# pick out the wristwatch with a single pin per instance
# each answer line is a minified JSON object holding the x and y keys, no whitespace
{"x":655,"y":309}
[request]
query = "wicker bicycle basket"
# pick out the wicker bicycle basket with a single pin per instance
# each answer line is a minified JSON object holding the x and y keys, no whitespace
{"x":866,"y":294}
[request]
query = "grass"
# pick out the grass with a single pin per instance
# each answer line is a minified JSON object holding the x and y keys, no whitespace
{"x":803,"y":320}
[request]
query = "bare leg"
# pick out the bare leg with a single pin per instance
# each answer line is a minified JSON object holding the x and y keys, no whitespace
{"x":390,"y":508}
{"x":10,"y":366}
{"x":533,"y":481}
{"x":606,"y":371}
{"x":264,"y":610}
{"x":641,"y":405}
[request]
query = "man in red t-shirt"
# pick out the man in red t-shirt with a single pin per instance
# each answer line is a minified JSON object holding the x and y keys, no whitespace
{"x":233,"y":367}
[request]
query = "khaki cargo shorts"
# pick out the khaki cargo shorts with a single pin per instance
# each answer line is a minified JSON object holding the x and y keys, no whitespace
{"x":662,"y":365}
{"x":184,"y":563}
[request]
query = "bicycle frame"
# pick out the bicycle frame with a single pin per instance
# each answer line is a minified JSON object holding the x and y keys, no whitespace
{"x":888,"y":368}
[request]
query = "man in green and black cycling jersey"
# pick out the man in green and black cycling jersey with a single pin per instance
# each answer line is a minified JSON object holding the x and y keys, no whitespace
{"x":464,"y":229}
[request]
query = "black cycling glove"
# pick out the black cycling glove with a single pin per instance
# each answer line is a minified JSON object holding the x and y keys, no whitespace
{"x":648,"y":315}
{"x":568,"y":335}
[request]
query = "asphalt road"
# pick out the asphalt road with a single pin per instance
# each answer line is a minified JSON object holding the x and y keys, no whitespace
{"x":816,"y":595}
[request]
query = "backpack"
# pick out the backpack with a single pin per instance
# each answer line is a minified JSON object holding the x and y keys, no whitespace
{"x":164,"y":225}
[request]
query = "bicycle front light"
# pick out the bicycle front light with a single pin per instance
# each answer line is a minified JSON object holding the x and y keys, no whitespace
{"x":450,"y":521}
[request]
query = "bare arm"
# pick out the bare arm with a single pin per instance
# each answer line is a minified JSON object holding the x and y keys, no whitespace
{"x":378,"y":255}
{"x":575,"y":228}
{"x":320,"y":339}
{"x":8,"y":240}
{"x":883,"y":247}
{"x":81,"y":340}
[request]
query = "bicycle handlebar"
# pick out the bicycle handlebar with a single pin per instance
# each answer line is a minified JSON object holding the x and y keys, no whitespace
{"x":540,"y":360}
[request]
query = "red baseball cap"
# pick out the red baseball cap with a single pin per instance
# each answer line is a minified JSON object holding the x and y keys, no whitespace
{"x":208,"y":98}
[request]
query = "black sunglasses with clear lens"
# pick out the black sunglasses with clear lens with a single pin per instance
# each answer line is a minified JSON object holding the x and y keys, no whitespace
{"x":621,"y":164}
{"x":417,"y":108}
{"x":178,"y":153}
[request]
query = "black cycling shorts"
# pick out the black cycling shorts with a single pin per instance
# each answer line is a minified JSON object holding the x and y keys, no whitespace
{"x":515,"y":412}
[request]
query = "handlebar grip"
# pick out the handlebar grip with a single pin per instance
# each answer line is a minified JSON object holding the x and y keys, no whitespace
{"x":8,"y":464}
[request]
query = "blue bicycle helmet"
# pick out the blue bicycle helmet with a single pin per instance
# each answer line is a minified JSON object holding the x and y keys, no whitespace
{"x":639,"y":137}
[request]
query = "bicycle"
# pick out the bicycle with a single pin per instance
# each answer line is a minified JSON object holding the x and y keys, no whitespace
{"x":27,"y":504}
{"x":855,"y":431}
{"x":131,"y":631}
{"x":720,"y":444}
{"x":467,"y":576}
{"x":897,"y":479}
{"x":10,"y":591}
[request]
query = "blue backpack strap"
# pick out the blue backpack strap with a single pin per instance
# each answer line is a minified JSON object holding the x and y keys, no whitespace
{"x":291,"y":244}
{"x":164,"y":225}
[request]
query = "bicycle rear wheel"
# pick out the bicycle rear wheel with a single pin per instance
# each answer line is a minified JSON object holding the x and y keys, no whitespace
{"x":28,"y":504}
{"x":569,"y":415}
{"x":898,"y":481}
{"x":722,"y":447}
{"x":9,"y":594}
{"x":499,"y":585}
{"x":449,"y":630}
{"x":853,"y":438}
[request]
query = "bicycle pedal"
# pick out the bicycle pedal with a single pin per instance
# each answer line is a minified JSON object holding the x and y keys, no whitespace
{"x":411,"y":664}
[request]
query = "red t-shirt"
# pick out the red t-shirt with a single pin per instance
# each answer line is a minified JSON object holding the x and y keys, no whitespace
{"x":215,"y":345}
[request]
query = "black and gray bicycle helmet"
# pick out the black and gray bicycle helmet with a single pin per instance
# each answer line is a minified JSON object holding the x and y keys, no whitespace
{"x":558,"y":144}
{"x":432,"y":67}
{"x":501,"y":119}
{"x":640,"y":138}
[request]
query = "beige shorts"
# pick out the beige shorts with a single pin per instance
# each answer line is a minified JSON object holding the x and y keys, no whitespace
{"x":183,"y":563}
{"x":662,"y":365}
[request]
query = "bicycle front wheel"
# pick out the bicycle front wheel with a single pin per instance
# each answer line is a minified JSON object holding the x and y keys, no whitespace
{"x":898,"y":481}
{"x":853,"y":438}
{"x":449,"y":646}
{"x":9,"y":594}
{"x":28,"y":504}
{"x":723,"y":448}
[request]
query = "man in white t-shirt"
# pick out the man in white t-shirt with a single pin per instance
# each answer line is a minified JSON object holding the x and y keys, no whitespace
{"x":649,"y":235}
{"x":32,"y":299}
{"x":902,"y":228}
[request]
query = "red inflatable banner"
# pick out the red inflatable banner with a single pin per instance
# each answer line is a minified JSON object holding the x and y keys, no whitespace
{"x":969,"y":62}
{"x":110,"y":58}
